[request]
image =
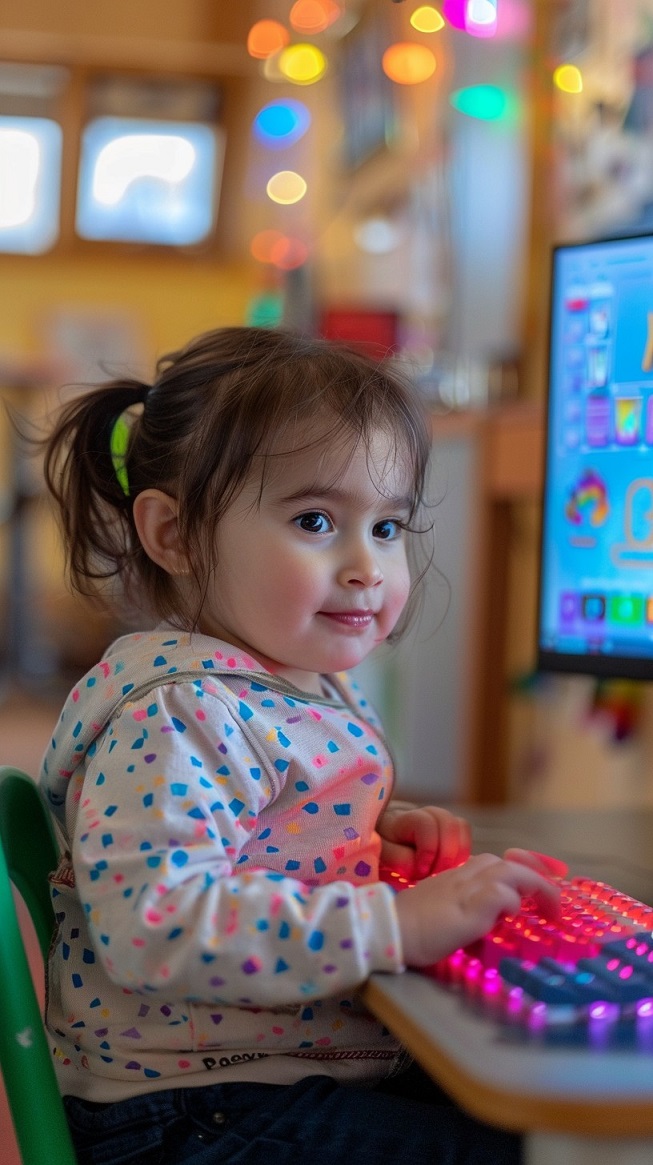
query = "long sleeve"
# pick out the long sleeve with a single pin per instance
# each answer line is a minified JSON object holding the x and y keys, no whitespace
{"x":180,"y":842}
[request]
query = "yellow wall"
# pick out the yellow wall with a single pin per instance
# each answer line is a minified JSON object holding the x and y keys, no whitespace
{"x":169,"y":301}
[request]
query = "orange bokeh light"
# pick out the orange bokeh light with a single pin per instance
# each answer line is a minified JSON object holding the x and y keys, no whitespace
{"x":313,"y":16}
{"x":408,"y":63}
{"x":278,"y":250}
{"x":263,"y":243}
{"x":288,"y":253}
{"x":265,"y":38}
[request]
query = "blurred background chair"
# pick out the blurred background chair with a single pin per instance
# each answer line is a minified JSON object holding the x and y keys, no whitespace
{"x":28,"y":853}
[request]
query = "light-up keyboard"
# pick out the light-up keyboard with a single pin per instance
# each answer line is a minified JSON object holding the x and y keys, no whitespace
{"x":586,"y":976}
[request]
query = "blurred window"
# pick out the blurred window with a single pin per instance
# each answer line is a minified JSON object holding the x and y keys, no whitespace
{"x":151,"y":161}
{"x":30,"y":156}
{"x":148,"y":150}
{"x":147,"y":181}
{"x":30,"y":174}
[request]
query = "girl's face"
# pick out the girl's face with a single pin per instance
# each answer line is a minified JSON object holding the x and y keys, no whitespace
{"x":311,"y":569}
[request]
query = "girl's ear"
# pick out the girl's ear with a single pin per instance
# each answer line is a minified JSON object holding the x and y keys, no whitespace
{"x":155,"y":518}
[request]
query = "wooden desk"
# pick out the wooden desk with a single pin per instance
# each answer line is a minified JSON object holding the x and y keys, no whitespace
{"x":574,"y":1105}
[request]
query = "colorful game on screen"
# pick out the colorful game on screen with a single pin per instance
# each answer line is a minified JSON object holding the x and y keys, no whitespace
{"x":596,"y":579}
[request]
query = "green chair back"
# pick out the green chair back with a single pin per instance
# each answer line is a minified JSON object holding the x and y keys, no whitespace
{"x":28,"y":853}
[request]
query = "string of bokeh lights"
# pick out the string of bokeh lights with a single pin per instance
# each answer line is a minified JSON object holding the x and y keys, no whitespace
{"x":293,"y":53}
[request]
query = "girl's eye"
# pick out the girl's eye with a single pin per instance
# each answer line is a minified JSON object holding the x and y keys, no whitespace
{"x":387,"y":530}
{"x":314,"y":522}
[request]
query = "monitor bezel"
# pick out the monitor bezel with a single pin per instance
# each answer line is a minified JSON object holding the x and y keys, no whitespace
{"x":602,"y":666}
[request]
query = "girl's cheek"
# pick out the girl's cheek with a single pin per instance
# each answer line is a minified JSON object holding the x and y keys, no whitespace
{"x":404,"y":584}
{"x":400,"y":596}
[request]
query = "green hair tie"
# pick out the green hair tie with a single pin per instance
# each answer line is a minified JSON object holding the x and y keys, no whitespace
{"x":118,"y":444}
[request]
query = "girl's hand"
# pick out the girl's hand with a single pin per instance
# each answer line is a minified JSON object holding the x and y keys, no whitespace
{"x":543,"y":863}
{"x":418,"y":841}
{"x":460,"y":905}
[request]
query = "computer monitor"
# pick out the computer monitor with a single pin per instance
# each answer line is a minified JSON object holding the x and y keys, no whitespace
{"x":596,"y":568}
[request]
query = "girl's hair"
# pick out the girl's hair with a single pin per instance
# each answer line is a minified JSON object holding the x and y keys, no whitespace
{"x":218,"y":408}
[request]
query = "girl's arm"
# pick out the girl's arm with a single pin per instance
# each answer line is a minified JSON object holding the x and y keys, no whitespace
{"x":169,"y":803}
{"x":162,"y":868}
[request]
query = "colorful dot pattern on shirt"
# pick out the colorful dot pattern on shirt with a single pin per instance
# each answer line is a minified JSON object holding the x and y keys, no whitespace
{"x":225,"y":864}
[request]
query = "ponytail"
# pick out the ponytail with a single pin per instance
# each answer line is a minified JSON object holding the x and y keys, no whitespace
{"x":86,"y":481}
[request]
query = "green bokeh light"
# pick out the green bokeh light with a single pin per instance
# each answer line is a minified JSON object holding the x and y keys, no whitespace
{"x":265,"y":310}
{"x":485,"y":102}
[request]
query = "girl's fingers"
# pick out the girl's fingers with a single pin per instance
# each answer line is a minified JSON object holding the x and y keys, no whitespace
{"x":558,"y":868}
{"x":532,"y":884}
{"x":452,"y":847}
{"x":544,"y":863}
{"x":523,"y":876}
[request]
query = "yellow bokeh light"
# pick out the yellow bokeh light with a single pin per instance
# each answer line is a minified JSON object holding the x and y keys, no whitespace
{"x":302,"y":63}
{"x":265,"y":38}
{"x":286,"y":187}
{"x":568,"y":78}
{"x":427,"y":19}
{"x":408,"y":63}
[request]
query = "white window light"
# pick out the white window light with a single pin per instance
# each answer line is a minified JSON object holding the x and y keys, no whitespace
{"x":131,"y":157}
{"x":30,"y":174}
{"x":149,"y":182}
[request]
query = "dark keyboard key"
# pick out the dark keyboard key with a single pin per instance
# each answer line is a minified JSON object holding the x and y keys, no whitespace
{"x":623,"y":977}
{"x":539,"y":982}
{"x":636,"y":949}
{"x":589,"y":987}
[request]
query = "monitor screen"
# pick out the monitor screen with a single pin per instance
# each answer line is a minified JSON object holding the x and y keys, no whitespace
{"x":596,"y":570}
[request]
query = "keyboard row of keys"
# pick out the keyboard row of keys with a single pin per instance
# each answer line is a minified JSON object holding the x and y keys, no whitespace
{"x":605,"y":976}
{"x":592,"y":963}
{"x":587,"y":921}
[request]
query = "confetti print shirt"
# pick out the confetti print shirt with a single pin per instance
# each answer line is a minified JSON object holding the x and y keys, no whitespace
{"x":220,"y":899}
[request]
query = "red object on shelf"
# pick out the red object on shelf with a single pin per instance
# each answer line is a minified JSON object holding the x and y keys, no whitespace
{"x":374,"y":331}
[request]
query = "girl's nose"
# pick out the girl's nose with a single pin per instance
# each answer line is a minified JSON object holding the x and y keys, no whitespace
{"x":362,"y":570}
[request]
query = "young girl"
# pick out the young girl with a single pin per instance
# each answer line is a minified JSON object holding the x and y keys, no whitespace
{"x":223,"y":787}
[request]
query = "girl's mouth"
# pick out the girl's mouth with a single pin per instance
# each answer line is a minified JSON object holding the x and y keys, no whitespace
{"x":357,"y":620}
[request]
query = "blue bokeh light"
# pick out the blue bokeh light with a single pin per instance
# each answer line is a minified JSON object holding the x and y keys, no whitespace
{"x":281,"y":123}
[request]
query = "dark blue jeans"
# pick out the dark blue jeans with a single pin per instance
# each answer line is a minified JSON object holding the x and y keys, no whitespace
{"x":404,"y":1121}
